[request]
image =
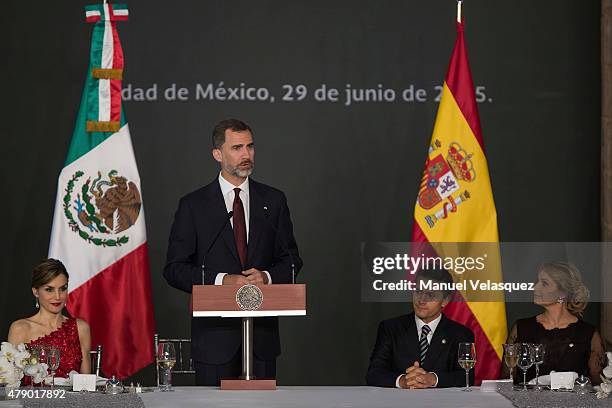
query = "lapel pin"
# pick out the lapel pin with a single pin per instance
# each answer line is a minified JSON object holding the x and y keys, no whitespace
{"x":443,"y":341}
{"x":571,"y":344}
{"x":265,"y":208}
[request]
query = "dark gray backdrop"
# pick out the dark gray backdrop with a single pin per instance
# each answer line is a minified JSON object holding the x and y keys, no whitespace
{"x":350,"y":173}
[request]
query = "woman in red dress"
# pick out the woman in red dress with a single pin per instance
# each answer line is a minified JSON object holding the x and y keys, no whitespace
{"x":49,"y":327}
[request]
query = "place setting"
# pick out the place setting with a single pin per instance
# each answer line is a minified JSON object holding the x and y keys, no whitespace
{"x":550,"y":390}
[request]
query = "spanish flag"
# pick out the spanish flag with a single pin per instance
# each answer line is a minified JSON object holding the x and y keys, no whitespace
{"x":455,"y":205}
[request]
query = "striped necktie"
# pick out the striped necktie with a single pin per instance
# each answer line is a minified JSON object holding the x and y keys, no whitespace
{"x":423,"y":343}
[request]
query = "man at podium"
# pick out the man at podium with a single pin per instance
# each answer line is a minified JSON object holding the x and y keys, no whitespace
{"x":233,"y":231}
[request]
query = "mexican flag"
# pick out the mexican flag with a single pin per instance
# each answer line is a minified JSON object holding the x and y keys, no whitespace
{"x":98,"y":224}
{"x":455,"y":211}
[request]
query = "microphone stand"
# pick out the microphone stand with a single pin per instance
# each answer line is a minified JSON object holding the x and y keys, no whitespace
{"x":227,"y":218}
{"x":283,"y":245}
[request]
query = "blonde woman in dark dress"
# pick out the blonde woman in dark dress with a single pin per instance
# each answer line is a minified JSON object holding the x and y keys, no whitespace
{"x":571,"y":344}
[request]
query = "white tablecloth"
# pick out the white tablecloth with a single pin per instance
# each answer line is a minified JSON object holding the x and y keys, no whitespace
{"x":341,"y":397}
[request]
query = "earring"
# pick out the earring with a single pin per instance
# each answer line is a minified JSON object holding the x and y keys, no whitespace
{"x":560,"y":300}
{"x":37,"y":304}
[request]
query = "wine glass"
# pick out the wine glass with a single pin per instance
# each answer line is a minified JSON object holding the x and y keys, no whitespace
{"x":34,"y":359}
{"x":582,"y":385}
{"x":538,"y":358}
{"x":166,"y":358}
{"x":525,"y":361}
{"x":466,"y":356}
{"x":510,"y":356}
{"x":53,"y":361}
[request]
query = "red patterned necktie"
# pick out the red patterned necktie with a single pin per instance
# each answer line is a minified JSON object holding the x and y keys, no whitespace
{"x":240,"y":234}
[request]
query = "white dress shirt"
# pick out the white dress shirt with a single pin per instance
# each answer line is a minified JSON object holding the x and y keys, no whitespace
{"x":227,"y":190}
{"x":432,"y":325}
{"x":229,"y":195}
{"x":419,"y":326}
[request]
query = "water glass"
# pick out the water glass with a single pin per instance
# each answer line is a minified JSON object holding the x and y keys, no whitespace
{"x":53,"y":361}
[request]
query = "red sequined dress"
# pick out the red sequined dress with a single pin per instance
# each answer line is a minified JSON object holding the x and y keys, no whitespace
{"x":66,"y":339}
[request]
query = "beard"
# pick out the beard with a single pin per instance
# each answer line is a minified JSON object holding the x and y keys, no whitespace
{"x":241,"y":172}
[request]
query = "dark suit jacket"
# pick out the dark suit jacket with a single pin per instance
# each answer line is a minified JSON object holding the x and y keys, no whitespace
{"x":397,"y":348}
{"x":199,"y":217}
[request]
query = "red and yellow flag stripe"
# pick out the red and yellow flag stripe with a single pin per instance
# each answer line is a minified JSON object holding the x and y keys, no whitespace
{"x":467,"y":213}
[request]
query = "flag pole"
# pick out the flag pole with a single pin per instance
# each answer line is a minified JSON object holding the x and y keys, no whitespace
{"x":459,"y":3}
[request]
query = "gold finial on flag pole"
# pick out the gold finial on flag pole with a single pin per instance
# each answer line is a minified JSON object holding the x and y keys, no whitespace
{"x":459,"y":2}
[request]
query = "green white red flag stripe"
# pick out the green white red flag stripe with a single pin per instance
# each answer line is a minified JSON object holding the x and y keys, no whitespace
{"x":111,"y":12}
{"x":99,"y":224}
{"x":107,"y":65}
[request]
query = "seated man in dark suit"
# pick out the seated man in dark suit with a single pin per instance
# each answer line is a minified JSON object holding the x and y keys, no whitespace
{"x":419,"y":350}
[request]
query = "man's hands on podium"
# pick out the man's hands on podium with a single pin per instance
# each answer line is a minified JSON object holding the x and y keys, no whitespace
{"x":251,"y":276}
{"x":416,"y":377}
{"x":255,"y":276}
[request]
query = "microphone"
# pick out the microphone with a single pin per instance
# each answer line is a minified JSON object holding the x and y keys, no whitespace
{"x":282,"y":242}
{"x":227,"y":218}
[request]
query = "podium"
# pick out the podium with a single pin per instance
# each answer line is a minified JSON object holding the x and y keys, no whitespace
{"x":247,"y":302}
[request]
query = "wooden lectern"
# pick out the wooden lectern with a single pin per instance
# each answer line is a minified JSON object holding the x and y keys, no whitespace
{"x":247,"y":302}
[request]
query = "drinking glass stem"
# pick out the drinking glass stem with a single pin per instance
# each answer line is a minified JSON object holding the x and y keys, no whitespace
{"x":537,"y":377}
{"x":524,"y":380}
{"x":467,"y":380}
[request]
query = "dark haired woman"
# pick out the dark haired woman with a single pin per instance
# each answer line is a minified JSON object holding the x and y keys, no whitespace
{"x":49,"y":327}
{"x":571,"y":343}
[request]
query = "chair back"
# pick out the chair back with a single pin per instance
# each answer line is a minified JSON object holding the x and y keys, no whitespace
{"x":95,"y":357}
{"x":183,"y":365}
